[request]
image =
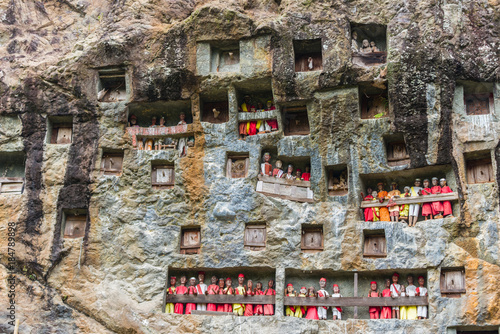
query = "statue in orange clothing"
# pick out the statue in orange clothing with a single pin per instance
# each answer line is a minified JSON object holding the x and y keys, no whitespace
{"x":383,"y":211}
{"x":447,"y":211}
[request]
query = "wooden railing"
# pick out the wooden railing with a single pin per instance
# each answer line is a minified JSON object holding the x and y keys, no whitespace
{"x":412,"y":200}
{"x":356,"y":301}
{"x":158,"y":132}
{"x":220,"y":299}
{"x":255,"y":116}
{"x":295,"y":190}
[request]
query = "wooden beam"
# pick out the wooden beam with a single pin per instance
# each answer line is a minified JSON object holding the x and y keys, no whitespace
{"x":413,"y":200}
{"x":283,"y":181}
{"x":355,"y":294}
{"x":356,"y":301}
{"x":197,"y":312}
{"x":220,"y":299}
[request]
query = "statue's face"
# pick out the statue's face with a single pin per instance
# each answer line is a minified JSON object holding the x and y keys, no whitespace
{"x":259,"y":286}
{"x":387,"y":283}
{"x":373,"y":287}
{"x":308,"y":169}
{"x":299,"y":173}
{"x":279,"y":164}
{"x":289,"y":289}
{"x":394,"y":279}
{"x":322,"y":284}
{"x":267,"y":157}
{"x":182,"y":117}
{"x":394,"y":186}
{"x":269,"y":104}
{"x":372,"y":43}
{"x":365,"y":43}
{"x":374,"y":194}
{"x":172,"y":281}
{"x":380,"y":187}
{"x":442,"y":183}
{"x":133,"y":121}
{"x":153,"y":120}
{"x":426,"y":184}
{"x":369,"y":190}
{"x":290,"y":169}
{"x":270,"y":284}
{"x":192,"y":282}
{"x":335,"y":289}
{"x":221,"y":283}
{"x":421,"y":281}
{"x":241,"y":280}
{"x":434,"y":182}
{"x":410,"y":279}
{"x":162,"y":121}
{"x":417,"y":183}
{"x":250,"y":284}
{"x":183,"y":279}
{"x":214,"y":280}
{"x":229,"y":282}
{"x":201,"y":278}
{"x":303,"y":291}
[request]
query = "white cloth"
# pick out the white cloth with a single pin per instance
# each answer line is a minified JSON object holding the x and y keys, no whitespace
{"x":182,"y":147}
{"x":289,"y":176}
{"x":264,"y":127}
{"x":334,"y":309}
{"x":395,"y":290}
{"x":422,"y":310}
{"x":321,"y":309}
{"x":203,"y":287}
{"x":411,"y":290}
{"x":414,"y":210}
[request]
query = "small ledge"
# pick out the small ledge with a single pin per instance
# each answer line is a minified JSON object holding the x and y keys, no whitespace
{"x":159,"y":132}
{"x":294,"y":190}
{"x":412,"y":200}
{"x":260,"y":115}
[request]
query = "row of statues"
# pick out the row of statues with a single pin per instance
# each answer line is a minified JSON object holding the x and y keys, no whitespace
{"x":252,"y":128}
{"x":366,"y":46}
{"x":133,"y":121}
{"x":395,"y":290}
{"x":220,"y":286}
{"x":394,"y":212}
{"x":266,"y":169}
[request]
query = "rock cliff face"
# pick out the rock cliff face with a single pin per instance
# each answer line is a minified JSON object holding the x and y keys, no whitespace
{"x":113,"y":279}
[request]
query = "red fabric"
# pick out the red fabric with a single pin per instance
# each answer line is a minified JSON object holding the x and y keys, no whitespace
{"x":220,"y":307}
{"x":190,"y":306}
{"x":306,"y":176}
{"x":179,"y":307}
{"x":269,"y":308}
{"x":321,"y":294}
{"x":229,"y":307}
{"x":273,"y":123}
{"x":426,"y":207}
{"x":436,"y":206}
{"x":258,"y":309}
{"x":249,"y":307}
{"x":212,"y":290}
{"x":386,"y":310}
{"x":243,"y":128}
{"x":368,"y":211}
{"x":446,"y":204}
{"x":374,"y":309}
{"x":253,"y":128}
{"x":339,"y":308}
{"x":312,"y":312}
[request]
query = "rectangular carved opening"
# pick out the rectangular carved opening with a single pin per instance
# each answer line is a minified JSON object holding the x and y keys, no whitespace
{"x":190,"y":240}
{"x":112,"y":86}
{"x":60,"y":129}
{"x":74,"y":224}
{"x":479,"y":167}
{"x":478,"y":98}
{"x":112,"y":163}
{"x":374,"y":102}
{"x":150,"y":114}
{"x":368,"y":44}
{"x":397,"y":154}
{"x":214,"y":107}
{"x":237,"y":165}
{"x":308,"y":55}
{"x":12,"y":171}
{"x":312,"y":238}
{"x":162,"y":175}
{"x":452,"y":282}
{"x":375,"y":244}
{"x":295,"y":120}
{"x":338,"y":180}
{"x":225,"y":56}
{"x":255,"y":237}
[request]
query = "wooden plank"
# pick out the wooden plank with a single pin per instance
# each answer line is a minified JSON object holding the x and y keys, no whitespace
{"x":356,"y":301}
{"x":197,"y":312}
{"x":355,"y":294}
{"x":413,"y":200}
{"x":220,"y":299}
{"x":283,"y":181}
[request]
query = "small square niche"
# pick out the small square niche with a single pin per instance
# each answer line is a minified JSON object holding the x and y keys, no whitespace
{"x":255,"y":237}
{"x":74,"y":224}
{"x":397,"y":154}
{"x":480,"y":169}
{"x":214,"y":107}
{"x":162,"y":175}
{"x":296,"y":120}
{"x":375,"y":244}
{"x":237,"y":165}
{"x":12,"y":171}
{"x":368,"y":44}
{"x":112,"y":85}
{"x":190,"y":240}
{"x":373,"y":101}
{"x":308,"y":55}
{"x":225,"y":56}
{"x":312,"y":238}
{"x":338,"y":180}
{"x":60,"y":130}
{"x":112,"y":163}
{"x":452,"y":282}
{"x":478,"y":98}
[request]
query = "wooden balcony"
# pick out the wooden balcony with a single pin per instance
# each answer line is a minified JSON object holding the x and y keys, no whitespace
{"x":159,"y":132}
{"x":220,"y":299}
{"x":255,"y":116}
{"x":356,"y":301}
{"x":369,"y":58}
{"x":294,"y":190}
{"x":412,"y":200}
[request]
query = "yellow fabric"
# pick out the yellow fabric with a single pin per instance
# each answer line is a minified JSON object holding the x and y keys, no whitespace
{"x":239,"y":309}
{"x":411,"y":312}
{"x":169,"y":308}
{"x":248,"y":127}
{"x":258,"y":125}
{"x":244,"y":107}
{"x":414,"y":193}
{"x":289,"y":312}
{"x":376,"y":212}
{"x":402,"y":312}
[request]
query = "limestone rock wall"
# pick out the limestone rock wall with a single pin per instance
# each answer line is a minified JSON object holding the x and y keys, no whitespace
{"x":113,"y":279}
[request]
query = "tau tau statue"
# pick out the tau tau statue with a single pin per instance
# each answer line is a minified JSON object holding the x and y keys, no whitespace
{"x":277,"y":171}
{"x":182,"y":119}
{"x":266,"y":168}
{"x":365,"y":47}
{"x":354,"y":42}
{"x":162,"y":122}
{"x":216,"y":113}
{"x":133,"y":121}
{"x":153,"y":122}
{"x":310,"y":64}
{"x":447,"y":211}
{"x":289,"y":173}
{"x":374,"y":47}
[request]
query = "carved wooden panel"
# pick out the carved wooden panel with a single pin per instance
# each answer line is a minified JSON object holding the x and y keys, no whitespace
{"x":309,"y":62}
{"x":480,"y":171}
{"x":397,"y":154}
{"x":190,"y":241}
{"x":375,"y":246}
{"x":478,"y":104}
{"x":312,"y":238}
{"x":237,"y":167}
{"x":219,"y":115}
{"x":163,"y":175}
{"x":61,"y":134}
{"x":296,"y":122}
{"x":112,"y":163}
{"x":255,"y":236}
{"x":75,"y":226}
{"x":11,"y":185}
{"x":452,"y":281}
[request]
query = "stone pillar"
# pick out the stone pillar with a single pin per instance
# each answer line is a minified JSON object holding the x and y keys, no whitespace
{"x":280,"y":287}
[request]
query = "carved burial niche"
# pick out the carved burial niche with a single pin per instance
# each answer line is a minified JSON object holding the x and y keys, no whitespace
{"x":452,"y":282}
{"x":478,"y":98}
{"x":162,"y":175}
{"x":225,"y":56}
{"x":190,"y":240}
{"x":255,"y":237}
{"x":373,"y":101}
{"x":338,"y":180}
{"x":170,"y":111}
{"x":12,"y":171}
{"x":112,"y":85}
{"x":312,"y":238}
{"x":368,"y":44}
{"x":237,"y":165}
{"x":296,"y":121}
{"x":397,"y":154}
{"x":214,"y":107}
{"x":74,"y":224}
{"x":60,"y":129}
{"x":112,"y":163}
{"x":375,"y":244}
{"x":308,"y":55}
{"x":479,"y":167}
